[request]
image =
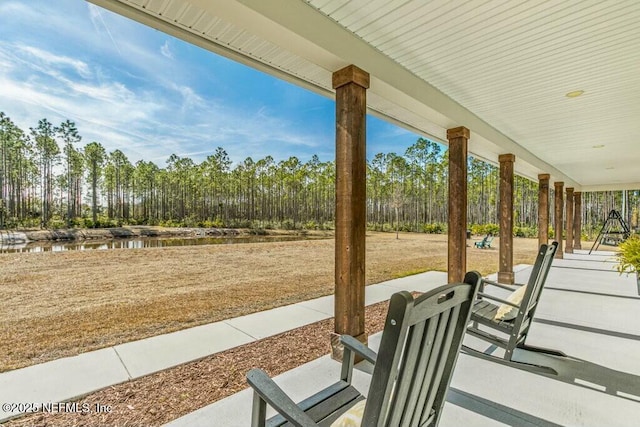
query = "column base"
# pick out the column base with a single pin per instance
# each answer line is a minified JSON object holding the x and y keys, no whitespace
{"x":506,"y":277}
{"x":337,"y":349}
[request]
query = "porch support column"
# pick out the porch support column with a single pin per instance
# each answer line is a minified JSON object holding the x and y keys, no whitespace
{"x":457,"y":251}
{"x":559,"y":209}
{"x":351,"y":85}
{"x":505,"y":273}
{"x":543,"y":209}
{"x":577,"y":220}
{"x":569,"y":222}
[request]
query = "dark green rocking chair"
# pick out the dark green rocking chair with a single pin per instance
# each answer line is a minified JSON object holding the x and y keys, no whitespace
{"x":511,"y":333}
{"x":485,"y":242}
{"x":412,"y":371}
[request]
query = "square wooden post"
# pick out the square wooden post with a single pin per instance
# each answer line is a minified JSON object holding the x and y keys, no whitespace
{"x":351,"y":85}
{"x":543,"y":209}
{"x":577,"y":220}
{"x":569,"y":222}
{"x":505,"y":272}
{"x":558,"y":211}
{"x":457,"y":247}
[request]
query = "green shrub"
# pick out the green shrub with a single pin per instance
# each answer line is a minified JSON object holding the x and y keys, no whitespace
{"x":56,"y":223}
{"x":372,"y":226}
{"x":207,"y":223}
{"x":258,"y":231}
{"x":525,"y":232}
{"x":171,"y":223}
{"x":12,"y":223}
{"x":329,"y":225}
{"x":406,"y":227}
{"x":310,"y":225}
{"x":104,"y":222}
{"x":483,"y":229}
{"x":288,"y":224}
{"x":629,"y":255}
{"x":434,"y":228}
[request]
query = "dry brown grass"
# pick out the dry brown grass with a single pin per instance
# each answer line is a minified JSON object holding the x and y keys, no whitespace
{"x":65,"y":303}
{"x":164,"y":396}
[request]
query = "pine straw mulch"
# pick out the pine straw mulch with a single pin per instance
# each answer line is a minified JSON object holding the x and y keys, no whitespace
{"x":161,"y":397}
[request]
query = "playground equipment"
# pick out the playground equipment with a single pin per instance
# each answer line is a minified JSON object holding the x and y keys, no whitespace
{"x":614,"y":231}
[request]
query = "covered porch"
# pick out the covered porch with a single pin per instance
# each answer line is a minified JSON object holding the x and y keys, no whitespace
{"x":517,"y":84}
{"x":547,"y":91}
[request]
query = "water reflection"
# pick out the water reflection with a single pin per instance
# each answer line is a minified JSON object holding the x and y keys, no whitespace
{"x":140,"y":242}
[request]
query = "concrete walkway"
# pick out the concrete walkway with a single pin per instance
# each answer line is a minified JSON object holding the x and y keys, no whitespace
{"x":72,"y":377}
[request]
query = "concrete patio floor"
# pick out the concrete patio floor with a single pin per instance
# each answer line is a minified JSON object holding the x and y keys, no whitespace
{"x":587,"y":310}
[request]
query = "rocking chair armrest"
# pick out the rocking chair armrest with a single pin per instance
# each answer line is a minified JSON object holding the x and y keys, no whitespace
{"x":499,"y":285}
{"x":356,"y":346}
{"x":500,"y":300}
{"x":273,"y":395}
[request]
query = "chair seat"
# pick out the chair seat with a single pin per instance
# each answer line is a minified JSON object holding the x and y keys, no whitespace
{"x":483,"y":313}
{"x":325,"y":406}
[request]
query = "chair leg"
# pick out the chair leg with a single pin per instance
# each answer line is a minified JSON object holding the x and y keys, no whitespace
{"x":544,"y":350}
{"x":258,"y":411}
{"x":545,"y":370}
{"x":524,"y":346}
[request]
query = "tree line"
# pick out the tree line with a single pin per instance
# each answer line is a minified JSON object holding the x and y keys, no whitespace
{"x":48,"y":180}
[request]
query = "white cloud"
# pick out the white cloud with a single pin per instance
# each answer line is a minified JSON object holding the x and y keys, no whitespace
{"x":166,"y":51}
{"x":50,"y":59}
{"x":10,"y":8}
{"x":190,"y":99}
{"x":103,"y":73}
{"x":145,"y":123}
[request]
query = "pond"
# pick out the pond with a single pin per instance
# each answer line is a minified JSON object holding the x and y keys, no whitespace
{"x":140,"y":242}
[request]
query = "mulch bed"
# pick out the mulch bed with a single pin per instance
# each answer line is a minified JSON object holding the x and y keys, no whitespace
{"x":161,"y":397}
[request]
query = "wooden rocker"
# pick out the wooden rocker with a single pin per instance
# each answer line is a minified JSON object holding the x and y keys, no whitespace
{"x":412,"y":371}
{"x":509,"y":319}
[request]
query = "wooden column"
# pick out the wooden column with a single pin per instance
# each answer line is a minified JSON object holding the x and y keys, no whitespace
{"x":505,"y":272}
{"x":543,"y":209}
{"x":558,"y":211}
{"x":457,"y":251}
{"x":351,"y":85}
{"x":577,"y":220}
{"x":569,"y":221}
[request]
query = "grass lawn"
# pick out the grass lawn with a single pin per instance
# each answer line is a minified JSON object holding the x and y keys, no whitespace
{"x":58,"y":304}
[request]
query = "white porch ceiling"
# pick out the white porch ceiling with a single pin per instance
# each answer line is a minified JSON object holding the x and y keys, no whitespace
{"x":500,"y":68}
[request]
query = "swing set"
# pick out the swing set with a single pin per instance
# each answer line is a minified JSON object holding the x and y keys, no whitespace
{"x":613,"y":232}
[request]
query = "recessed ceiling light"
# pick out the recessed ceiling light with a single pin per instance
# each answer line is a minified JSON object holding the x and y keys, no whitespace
{"x":574,"y":94}
{"x":598,"y":146}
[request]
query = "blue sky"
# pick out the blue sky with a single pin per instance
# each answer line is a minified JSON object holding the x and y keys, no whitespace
{"x":148,"y":94}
